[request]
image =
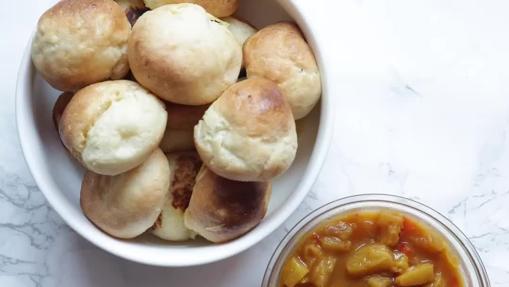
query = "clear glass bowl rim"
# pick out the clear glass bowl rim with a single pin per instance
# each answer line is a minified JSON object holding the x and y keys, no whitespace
{"x":421,"y":208}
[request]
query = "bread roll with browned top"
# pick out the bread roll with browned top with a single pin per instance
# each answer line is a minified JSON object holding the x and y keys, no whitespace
{"x":249,"y":133}
{"x":170,"y":225}
{"x":183,"y":54}
{"x":81,"y":42}
{"x":280,"y":53}
{"x":218,"y":8}
{"x":128,"y":204}
{"x":112,"y":127}
{"x":221,"y":209}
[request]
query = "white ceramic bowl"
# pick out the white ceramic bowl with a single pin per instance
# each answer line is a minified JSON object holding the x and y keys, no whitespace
{"x":59,"y":176}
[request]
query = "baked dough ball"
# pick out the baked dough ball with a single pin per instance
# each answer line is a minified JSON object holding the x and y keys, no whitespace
{"x":249,"y":133}
{"x":170,"y":223}
{"x":221,"y":210}
{"x":59,"y":107}
{"x":279,"y":53}
{"x":218,"y":8}
{"x":128,"y":204}
{"x":183,"y":54}
{"x":78,"y":43}
{"x":112,"y":127}
{"x":240,"y":30}
{"x":133,"y":9}
{"x":179,"y":129}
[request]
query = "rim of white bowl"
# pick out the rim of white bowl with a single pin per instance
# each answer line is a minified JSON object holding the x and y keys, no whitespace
{"x":324,"y":137}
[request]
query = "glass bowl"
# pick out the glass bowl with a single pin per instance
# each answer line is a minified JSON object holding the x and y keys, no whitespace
{"x":472,"y":269}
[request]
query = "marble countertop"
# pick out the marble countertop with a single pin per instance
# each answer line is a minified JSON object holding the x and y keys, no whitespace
{"x":422,"y":111}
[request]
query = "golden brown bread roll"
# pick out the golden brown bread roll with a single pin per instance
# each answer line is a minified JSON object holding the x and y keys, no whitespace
{"x":183,"y":55}
{"x":112,"y":127}
{"x":221,"y":210}
{"x":218,"y":8}
{"x":184,"y":167}
{"x":128,"y":204}
{"x":78,"y":43}
{"x":249,"y":133}
{"x":280,"y":53}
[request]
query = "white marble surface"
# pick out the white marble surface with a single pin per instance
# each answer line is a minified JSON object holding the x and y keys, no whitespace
{"x":422,"y":111}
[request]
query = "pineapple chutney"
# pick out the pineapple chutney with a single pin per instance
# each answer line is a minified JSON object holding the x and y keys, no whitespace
{"x":372,"y":248}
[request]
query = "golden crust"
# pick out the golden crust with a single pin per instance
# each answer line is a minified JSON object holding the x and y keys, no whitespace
{"x":221,"y":210}
{"x":128,"y":204}
{"x":279,"y":53}
{"x":190,"y":68}
{"x":218,"y":8}
{"x":78,"y":43}
{"x":186,"y":166}
{"x":257,"y":108}
{"x":249,"y":133}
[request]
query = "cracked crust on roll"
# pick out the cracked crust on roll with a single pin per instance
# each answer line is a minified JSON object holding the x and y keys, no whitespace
{"x":112,"y":127}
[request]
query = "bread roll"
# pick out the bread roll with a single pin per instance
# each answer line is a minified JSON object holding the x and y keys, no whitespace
{"x":78,"y":43}
{"x":279,"y":53}
{"x":170,"y":223}
{"x":59,"y":107}
{"x":133,"y":9}
{"x":128,"y":204}
{"x":249,"y":133}
{"x":218,"y":8}
{"x":221,"y":210}
{"x":240,"y":30}
{"x":179,"y":129}
{"x":112,"y":127}
{"x":183,"y":54}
